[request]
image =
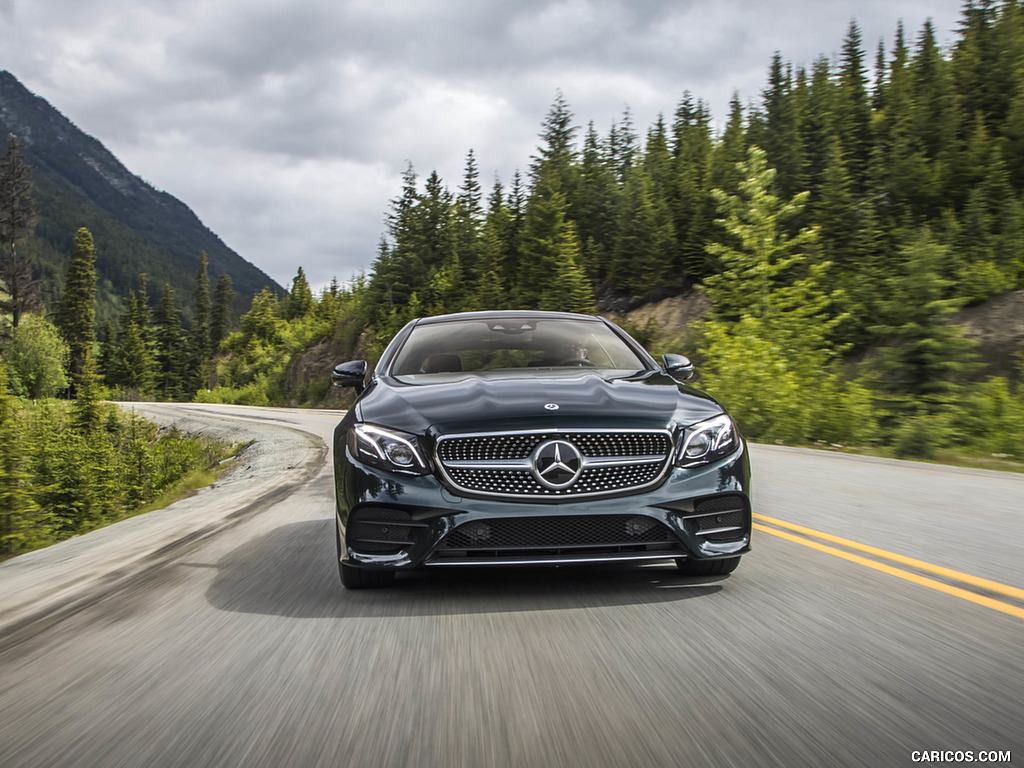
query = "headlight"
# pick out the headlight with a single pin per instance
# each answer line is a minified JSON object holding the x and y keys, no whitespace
{"x":385,"y":448}
{"x":706,"y":441}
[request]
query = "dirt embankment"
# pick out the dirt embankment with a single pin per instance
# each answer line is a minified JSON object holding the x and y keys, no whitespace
{"x":312,"y":368}
{"x":997,"y":325}
{"x":672,"y":315}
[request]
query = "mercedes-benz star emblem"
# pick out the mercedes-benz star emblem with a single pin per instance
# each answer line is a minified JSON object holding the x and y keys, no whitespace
{"x":551,"y":406}
{"x":557,"y":464}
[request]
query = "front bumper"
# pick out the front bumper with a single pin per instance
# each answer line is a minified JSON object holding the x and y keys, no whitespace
{"x":391,"y":521}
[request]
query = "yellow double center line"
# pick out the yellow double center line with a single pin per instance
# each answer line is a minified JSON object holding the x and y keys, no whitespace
{"x":920,"y":565}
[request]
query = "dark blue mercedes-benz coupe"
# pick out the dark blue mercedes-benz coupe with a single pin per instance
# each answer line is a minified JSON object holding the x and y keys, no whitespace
{"x":517,"y":437}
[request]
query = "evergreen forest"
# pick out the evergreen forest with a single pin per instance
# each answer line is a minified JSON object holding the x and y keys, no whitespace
{"x":836,"y":225}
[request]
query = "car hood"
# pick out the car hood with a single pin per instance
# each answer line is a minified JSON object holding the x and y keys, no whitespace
{"x":474,"y":402}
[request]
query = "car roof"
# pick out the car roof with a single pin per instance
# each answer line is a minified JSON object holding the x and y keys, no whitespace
{"x":506,"y":314}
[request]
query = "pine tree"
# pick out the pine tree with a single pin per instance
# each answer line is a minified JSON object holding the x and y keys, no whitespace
{"x":593,"y":206}
{"x":513,"y":236}
{"x":85,"y":410}
{"x":433,"y":230}
{"x":982,"y":83}
{"x":881,"y":79}
{"x":853,"y":109}
{"x":107,"y":365}
{"x":897,"y":162}
{"x":557,"y":153}
{"x":543,"y":221}
{"x":422,"y":237}
{"x":1008,"y":72}
{"x":817,"y":125}
{"x":139,"y":434}
{"x":488,"y":290}
{"x":399,"y":268}
{"x":469,"y":193}
{"x":1008,"y":243}
{"x":136,"y":364}
{"x":18,"y":510}
{"x":447,"y":288}
{"x":644,"y":244}
{"x":730,"y":151}
{"x":759,"y":260}
{"x":200,"y":332}
{"x":172,"y":353}
{"x":922,"y":358}
{"x":934,"y":127}
{"x":133,"y":361}
{"x":468,"y":218}
{"x":76,"y":312}
{"x":300,"y":300}
{"x":261,"y":323}
{"x":569,"y":292}
{"x":622,"y":146}
{"x":782,"y":140}
{"x":836,"y":212}
{"x":17,"y":218}
{"x":687,"y":197}
{"x":220,"y":319}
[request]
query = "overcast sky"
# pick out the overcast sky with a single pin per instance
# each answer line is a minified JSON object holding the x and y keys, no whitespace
{"x":285,"y":124}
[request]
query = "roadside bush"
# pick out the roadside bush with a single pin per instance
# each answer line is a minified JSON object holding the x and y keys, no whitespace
{"x":922,"y":435}
{"x":780,"y":392}
{"x":991,"y":419}
{"x":59,"y":478}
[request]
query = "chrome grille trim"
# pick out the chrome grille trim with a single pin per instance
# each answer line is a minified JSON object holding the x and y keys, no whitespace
{"x":525,"y":463}
{"x":712,"y":531}
{"x":613,"y":461}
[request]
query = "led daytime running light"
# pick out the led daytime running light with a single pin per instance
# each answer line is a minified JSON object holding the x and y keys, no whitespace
{"x":389,"y":449}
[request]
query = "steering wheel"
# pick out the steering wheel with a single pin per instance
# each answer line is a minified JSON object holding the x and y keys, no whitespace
{"x":580,"y":362}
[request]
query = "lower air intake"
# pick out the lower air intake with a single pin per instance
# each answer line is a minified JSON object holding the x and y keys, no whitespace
{"x":381,"y":530}
{"x":722,"y":518}
{"x":554,"y":536}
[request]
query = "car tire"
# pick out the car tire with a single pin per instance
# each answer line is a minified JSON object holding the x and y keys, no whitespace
{"x":361,"y":578}
{"x":719,"y":567}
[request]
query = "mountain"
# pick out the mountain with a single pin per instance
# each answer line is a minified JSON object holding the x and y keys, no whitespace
{"x":137,"y":229}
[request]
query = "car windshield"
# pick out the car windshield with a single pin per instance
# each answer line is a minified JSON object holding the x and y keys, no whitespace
{"x":513,"y":344}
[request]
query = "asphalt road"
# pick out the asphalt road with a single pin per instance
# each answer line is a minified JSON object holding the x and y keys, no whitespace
{"x":237,"y":646}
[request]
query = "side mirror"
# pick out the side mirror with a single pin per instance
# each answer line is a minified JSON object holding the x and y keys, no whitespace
{"x":350,"y":374}
{"x":677,"y":366}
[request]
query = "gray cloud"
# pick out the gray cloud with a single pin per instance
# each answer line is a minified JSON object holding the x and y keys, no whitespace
{"x":285,"y":123}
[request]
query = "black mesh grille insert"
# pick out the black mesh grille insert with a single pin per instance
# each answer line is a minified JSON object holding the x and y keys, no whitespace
{"x":577,"y":534}
{"x":488,"y":447}
{"x":522,"y":481}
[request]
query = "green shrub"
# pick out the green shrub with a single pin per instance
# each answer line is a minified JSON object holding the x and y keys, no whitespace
{"x":69,"y":480}
{"x":922,"y":434}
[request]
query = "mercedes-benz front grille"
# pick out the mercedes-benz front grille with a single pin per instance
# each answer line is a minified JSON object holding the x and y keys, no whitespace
{"x":555,"y":464}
